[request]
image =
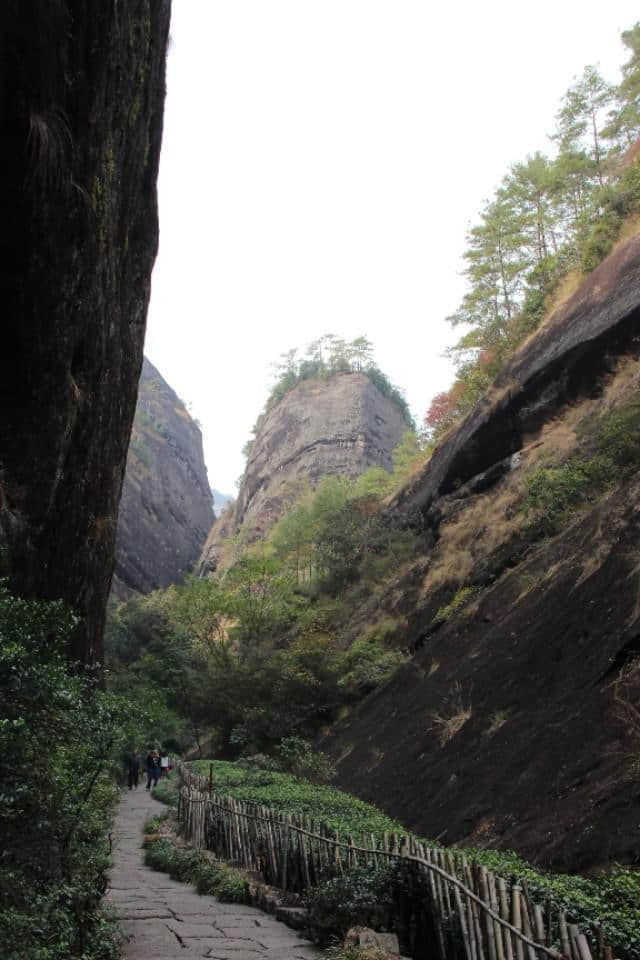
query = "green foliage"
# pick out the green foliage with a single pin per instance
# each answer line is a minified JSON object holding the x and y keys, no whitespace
{"x":363,"y":896}
{"x":612,"y":898}
{"x":326,"y":357}
{"x":152,"y":824}
{"x":351,"y":951}
{"x":340,"y":811}
{"x":192,"y":866}
{"x":549,"y":215}
{"x":297,"y":756}
{"x":226,"y":883}
{"x":58,"y":735}
{"x":610,"y":452}
{"x":368,"y":663}
{"x":460,"y":600}
{"x":166,"y":792}
{"x":371,"y":895}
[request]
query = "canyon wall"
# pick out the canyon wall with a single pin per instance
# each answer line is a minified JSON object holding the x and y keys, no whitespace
{"x":82,"y":90}
{"x":166,"y":510}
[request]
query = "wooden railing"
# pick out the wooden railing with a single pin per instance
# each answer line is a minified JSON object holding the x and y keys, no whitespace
{"x":468,"y":913}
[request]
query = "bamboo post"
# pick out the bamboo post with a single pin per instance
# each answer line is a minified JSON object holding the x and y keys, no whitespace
{"x":303,"y":856}
{"x":497,"y":929}
{"x":489,"y":928}
{"x":583,"y":947}
{"x":285,"y":853}
{"x":466,"y":938}
{"x":516,"y":919}
{"x":473,"y":907}
{"x":338,"y":860}
{"x":504,"y":913}
{"x":573,"y":940}
{"x":538,"y":922}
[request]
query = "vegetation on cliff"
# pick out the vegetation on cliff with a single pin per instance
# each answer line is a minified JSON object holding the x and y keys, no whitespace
{"x":551,"y":220}
{"x":323,"y":358}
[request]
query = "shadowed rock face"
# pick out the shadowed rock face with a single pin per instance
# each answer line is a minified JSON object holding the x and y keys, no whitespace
{"x":82,"y":91}
{"x":566,"y":359}
{"x":335,"y":427}
{"x":166,"y":508}
{"x":505,"y":729}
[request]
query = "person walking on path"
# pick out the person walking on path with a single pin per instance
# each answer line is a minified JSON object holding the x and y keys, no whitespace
{"x":153,"y":769}
{"x":133,"y":765}
{"x":164,"y":764}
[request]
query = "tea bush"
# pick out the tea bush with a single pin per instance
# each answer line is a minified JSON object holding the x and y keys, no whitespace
{"x":612,"y":898}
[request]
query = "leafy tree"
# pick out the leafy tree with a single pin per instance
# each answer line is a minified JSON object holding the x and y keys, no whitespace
{"x":261,"y":599}
{"x":624,"y":119}
{"x":581,"y":119}
{"x":59,"y":738}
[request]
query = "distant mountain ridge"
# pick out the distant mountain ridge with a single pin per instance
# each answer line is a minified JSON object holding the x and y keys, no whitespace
{"x":220,"y":500}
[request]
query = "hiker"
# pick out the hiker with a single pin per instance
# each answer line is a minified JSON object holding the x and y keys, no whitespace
{"x":133,"y":765}
{"x":153,"y":768}
{"x":164,"y":764}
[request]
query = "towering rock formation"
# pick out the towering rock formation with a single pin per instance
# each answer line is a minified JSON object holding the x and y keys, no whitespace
{"x":338,"y":426}
{"x":82,"y":92}
{"x":166,"y":508}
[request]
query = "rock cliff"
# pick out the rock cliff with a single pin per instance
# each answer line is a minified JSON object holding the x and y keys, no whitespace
{"x":322,"y":427}
{"x":166,"y":508}
{"x":510,"y":726}
{"x":82,"y":92}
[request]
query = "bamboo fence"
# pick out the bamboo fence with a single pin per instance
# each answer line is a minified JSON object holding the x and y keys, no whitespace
{"x":461,"y":910}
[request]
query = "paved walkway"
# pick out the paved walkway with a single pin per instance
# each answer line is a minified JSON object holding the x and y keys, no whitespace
{"x":167,"y":920}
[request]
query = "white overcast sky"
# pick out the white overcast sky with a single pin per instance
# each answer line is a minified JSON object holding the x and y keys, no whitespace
{"x":322,"y":160}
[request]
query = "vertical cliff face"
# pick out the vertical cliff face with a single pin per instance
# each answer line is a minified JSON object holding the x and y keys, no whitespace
{"x":166,"y":508}
{"x":338,"y":426}
{"x":82,"y":90}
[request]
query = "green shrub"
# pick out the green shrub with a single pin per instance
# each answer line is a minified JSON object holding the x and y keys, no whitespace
{"x":363,"y":896}
{"x":152,"y":824}
{"x":209,"y":877}
{"x":159,"y":855}
{"x":232,"y":886}
{"x":193,"y":866}
{"x":297,"y":756}
{"x":460,"y":599}
{"x":167,"y":792}
{"x":184,"y":864}
{"x":610,"y":452}
{"x":57,"y":791}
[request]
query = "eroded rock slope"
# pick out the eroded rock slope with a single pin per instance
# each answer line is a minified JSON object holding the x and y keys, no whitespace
{"x":510,"y":725}
{"x":166,"y":508}
{"x":338,"y":426}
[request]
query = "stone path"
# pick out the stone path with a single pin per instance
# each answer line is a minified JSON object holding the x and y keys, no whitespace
{"x":167,"y":920}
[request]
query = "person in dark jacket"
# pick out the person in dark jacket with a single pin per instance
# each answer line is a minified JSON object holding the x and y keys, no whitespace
{"x":153,"y":769}
{"x":133,"y":765}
